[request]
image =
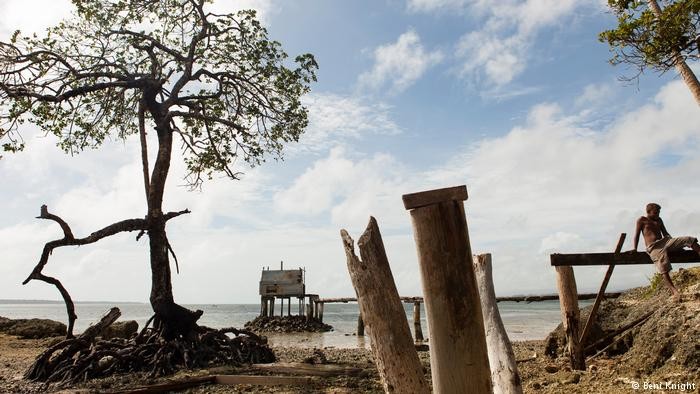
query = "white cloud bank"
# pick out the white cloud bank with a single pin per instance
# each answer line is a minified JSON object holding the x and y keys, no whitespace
{"x":551,"y":184}
{"x":399,"y":64}
{"x":499,"y":49}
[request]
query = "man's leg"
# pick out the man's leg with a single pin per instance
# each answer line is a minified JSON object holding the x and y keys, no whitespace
{"x":669,"y":284}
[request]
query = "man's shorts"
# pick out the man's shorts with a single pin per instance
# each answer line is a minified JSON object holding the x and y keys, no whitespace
{"x":658,"y":250}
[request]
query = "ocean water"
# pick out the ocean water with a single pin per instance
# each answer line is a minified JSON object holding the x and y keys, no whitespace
{"x":523,"y":321}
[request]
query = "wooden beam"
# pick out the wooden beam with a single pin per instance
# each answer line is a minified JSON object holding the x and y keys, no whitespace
{"x":430,"y":197}
{"x":309,"y":369}
{"x":601,"y":293}
{"x":626,"y":258}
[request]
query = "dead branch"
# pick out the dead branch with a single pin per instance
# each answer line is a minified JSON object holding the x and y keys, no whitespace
{"x":69,"y":239}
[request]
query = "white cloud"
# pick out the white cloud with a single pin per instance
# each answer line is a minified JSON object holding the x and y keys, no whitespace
{"x":595,"y":95}
{"x":31,"y":16}
{"x":399,"y":64}
{"x":499,"y":49}
{"x":264,"y":8}
{"x":433,"y":5}
{"x":549,"y":185}
{"x":335,"y":118}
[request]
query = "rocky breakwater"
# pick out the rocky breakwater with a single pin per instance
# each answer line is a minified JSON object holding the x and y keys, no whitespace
{"x":286,"y":324}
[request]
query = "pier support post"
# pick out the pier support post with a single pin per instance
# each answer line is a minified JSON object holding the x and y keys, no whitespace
{"x":504,"y":371}
{"x":320,"y":312}
{"x":416,"y":322}
{"x":458,"y":356}
{"x":399,"y":367}
{"x":360,"y":326}
{"x":568,"y":303}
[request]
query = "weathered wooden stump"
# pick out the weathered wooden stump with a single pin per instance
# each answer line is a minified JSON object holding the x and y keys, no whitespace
{"x":504,"y":370}
{"x":400,"y":370}
{"x":418,"y":330}
{"x":458,"y":356}
{"x":568,"y":303}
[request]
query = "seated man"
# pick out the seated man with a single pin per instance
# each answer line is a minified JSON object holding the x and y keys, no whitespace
{"x":659,"y":243}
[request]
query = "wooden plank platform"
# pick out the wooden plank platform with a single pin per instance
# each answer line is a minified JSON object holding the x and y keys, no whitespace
{"x":625,"y":258}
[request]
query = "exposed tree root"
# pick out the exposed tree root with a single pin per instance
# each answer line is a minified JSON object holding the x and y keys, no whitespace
{"x":87,"y":357}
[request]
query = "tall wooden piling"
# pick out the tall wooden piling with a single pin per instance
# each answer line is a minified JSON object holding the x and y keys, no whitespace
{"x":417,"y":330}
{"x":458,"y":356}
{"x":360,"y":326}
{"x":504,"y":371}
{"x":399,"y":368}
{"x":568,"y":303}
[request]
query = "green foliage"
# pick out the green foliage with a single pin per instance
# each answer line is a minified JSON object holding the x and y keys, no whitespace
{"x":643,"y":40}
{"x":654,"y":283}
{"x":216,"y":81}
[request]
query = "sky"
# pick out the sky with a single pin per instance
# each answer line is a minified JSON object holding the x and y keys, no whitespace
{"x":513,"y":98}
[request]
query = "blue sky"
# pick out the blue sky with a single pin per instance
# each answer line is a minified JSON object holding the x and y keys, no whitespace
{"x":515,"y":99}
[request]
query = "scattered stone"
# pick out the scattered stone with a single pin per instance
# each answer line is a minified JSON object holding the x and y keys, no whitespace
{"x":286,"y":324}
{"x":573,"y":379}
{"x":551,"y":368}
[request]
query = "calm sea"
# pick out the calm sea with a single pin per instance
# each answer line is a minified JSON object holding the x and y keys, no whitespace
{"x":523,"y":321}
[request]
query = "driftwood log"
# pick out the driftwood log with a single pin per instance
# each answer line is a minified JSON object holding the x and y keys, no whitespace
{"x":504,"y":371}
{"x":458,"y":356}
{"x":400,"y":370}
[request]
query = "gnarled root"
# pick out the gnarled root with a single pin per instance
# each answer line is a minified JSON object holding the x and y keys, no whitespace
{"x":80,"y":359}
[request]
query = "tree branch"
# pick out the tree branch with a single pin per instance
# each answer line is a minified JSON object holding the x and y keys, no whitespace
{"x":69,"y":239}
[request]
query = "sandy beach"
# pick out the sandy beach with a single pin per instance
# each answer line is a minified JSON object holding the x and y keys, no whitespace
{"x":540,"y":374}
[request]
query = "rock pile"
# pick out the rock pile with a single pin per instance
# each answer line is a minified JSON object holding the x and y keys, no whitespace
{"x":32,"y":328}
{"x":286,"y":324}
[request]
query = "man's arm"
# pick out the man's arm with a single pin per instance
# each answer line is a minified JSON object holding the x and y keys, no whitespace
{"x":664,"y":232}
{"x":637,"y":231}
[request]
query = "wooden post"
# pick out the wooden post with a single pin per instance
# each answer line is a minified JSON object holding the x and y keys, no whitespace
{"x":400,"y":370}
{"x":272,"y":306}
{"x":360,"y":326}
{"x":458,"y":357}
{"x":309,"y":315}
{"x":418,"y":331}
{"x":568,"y":303}
{"x":289,"y":306}
{"x":320,"y":311}
{"x":601,"y":293}
{"x":504,"y":370}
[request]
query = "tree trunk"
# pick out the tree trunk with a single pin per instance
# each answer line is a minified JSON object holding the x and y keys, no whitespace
{"x":504,"y":371}
{"x":174,"y":320}
{"x":681,"y":66}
